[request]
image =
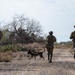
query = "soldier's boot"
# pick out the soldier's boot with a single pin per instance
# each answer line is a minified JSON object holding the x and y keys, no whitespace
{"x":48,"y":56}
{"x":51,"y":58}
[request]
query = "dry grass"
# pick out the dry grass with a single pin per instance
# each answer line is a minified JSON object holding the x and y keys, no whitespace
{"x":33,"y":46}
{"x":6,"y":57}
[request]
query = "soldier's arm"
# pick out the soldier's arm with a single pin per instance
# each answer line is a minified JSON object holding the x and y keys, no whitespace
{"x":71,"y":36}
{"x":55,"y":39}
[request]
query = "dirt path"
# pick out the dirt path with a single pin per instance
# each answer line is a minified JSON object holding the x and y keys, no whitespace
{"x":63,"y":64}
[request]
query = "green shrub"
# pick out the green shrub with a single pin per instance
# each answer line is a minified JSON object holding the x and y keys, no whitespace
{"x":13,"y":48}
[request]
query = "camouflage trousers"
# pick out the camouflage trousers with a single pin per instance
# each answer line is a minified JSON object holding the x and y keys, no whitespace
{"x":74,"y":52}
{"x":50,"y":52}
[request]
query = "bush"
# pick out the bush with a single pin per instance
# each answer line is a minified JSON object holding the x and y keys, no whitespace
{"x":6,"y":57}
{"x":12,"y":48}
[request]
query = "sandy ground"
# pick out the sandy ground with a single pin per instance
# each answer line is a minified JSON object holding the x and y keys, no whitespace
{"x":63,"y":64}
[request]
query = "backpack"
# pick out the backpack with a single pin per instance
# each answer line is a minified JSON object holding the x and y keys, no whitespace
{"x":51,"y":39}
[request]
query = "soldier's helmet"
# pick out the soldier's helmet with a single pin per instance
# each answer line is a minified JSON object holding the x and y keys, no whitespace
{"x":51,"y":32}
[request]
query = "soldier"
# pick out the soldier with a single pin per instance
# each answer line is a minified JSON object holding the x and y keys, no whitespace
{"x":50,"y":45}
{"x":72,"y":36}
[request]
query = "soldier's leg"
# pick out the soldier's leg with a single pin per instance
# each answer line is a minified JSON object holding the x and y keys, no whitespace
{"x":48,"y":55}
{"x":48,"y":52}
{"x":74,"y":52}
{"x":51,"y":53}
{"x":51,"y":56}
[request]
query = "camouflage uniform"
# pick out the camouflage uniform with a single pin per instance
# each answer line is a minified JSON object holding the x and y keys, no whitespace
{"x":50,"y":45}
{"x":72,"y":36}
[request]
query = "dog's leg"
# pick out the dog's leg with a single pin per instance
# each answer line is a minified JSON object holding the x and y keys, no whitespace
{"x":34,"y":57}
{"x":41,"y":56}
{"x":30,"y":57}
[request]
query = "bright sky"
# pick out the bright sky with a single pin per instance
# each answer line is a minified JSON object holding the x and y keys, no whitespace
{"x":55,"y":15}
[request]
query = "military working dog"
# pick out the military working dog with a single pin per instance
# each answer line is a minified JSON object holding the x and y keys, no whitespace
{"x":33,"y":53}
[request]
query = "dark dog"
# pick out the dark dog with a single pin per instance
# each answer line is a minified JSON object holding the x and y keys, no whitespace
{"x":34,"y":54}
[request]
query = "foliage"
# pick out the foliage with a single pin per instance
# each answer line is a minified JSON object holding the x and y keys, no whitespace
{"x":1,"y":34}
{"x":41,"y":40}
{"x":23,"y":30}
{"x":12,"y":47}
{"x":5,"y":38}
{"x":67,"y":44}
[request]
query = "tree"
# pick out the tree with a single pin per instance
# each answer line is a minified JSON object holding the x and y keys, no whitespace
{"x":33,"y":27}
{"x":22,"y":29}
{"x":1,"y":34}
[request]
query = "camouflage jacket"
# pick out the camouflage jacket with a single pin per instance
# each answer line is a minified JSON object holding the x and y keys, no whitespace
{"x":72,"y":36}
{"x":51,"y":39}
